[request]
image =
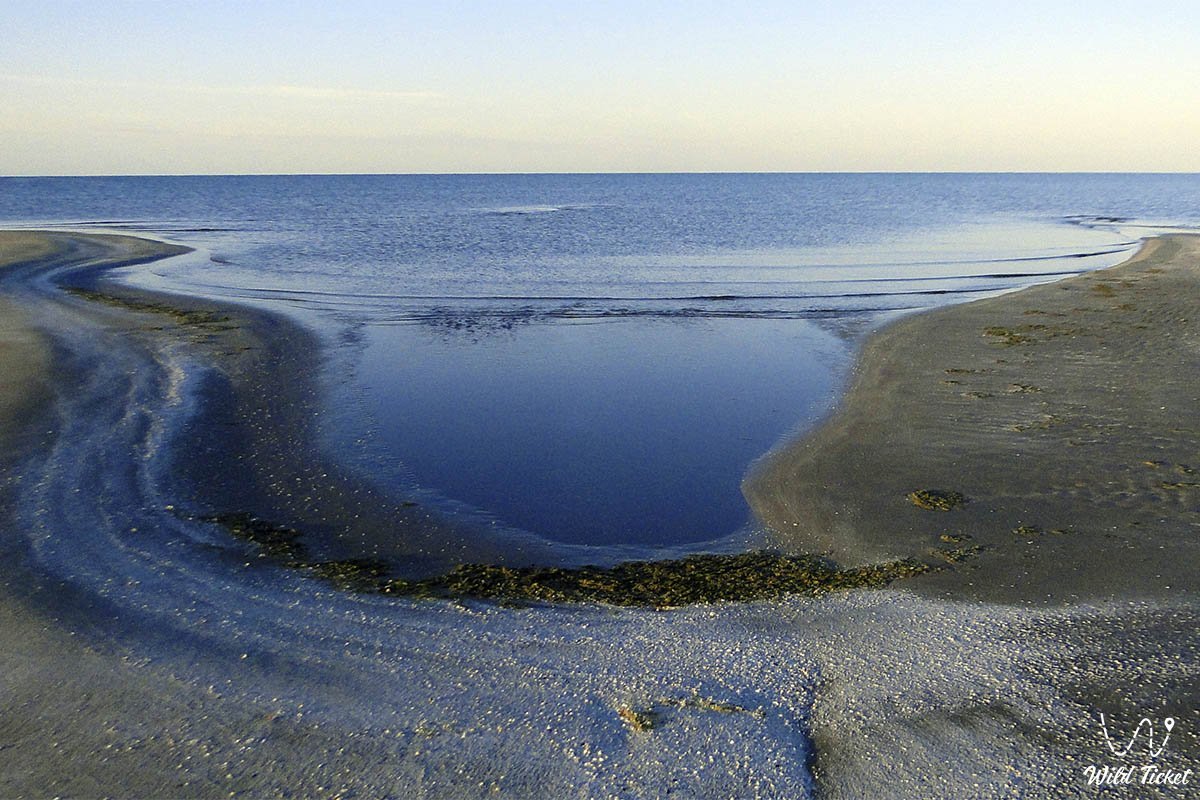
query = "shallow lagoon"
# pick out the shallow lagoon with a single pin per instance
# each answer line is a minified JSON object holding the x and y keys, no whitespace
{"x":621,"y":431}
{"x":597,"y":359}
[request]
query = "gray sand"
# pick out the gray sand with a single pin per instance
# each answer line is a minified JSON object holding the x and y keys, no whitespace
{"x":143,"y":657}
{"x":1066,"y":414}
{"x":24,"y":354}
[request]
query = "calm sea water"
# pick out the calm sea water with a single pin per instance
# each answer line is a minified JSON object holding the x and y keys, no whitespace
{"x":598,"y":359}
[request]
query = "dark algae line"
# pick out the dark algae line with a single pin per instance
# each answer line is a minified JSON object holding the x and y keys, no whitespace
{"x":706,"y":578}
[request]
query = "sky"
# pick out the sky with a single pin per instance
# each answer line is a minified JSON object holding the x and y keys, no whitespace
{"x":109,"y":87}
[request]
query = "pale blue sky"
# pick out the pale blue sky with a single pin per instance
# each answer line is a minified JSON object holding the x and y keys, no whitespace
{"x":175,"y":87}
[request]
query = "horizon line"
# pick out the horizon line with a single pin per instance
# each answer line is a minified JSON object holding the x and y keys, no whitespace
{"x":588,"y":173}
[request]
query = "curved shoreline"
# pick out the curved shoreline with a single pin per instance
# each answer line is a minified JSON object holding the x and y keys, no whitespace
{"x":246,"y":458}
{"x":32,"y":369}
{"x":256,"y":386}
{"x":1062,"y":413}
{"x":957,"y":416}
{"x":182,"y":670}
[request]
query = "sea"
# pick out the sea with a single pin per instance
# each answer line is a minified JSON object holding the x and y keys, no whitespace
{"x":599,"y":359}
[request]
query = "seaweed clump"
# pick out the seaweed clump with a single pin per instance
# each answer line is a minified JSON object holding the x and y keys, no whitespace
{"x":936,"y":499}
{"x":283,"y":544}
{"x":640,"y":721}
{"x":1008,"y":336}
{"x":274,"y":541}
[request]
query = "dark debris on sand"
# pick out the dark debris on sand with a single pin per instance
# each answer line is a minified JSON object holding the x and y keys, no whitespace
{"x":742,"y":577}
{"x":936,"y":499}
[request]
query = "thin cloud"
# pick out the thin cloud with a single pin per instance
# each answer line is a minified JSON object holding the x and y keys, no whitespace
{"x":317,"y":92}
{"x":278,"y":90}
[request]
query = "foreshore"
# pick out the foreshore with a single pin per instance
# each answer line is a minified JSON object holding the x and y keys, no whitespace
{"x":1062,"y":416}
{"x":1055,"y":425}
{"x":256,"y":384}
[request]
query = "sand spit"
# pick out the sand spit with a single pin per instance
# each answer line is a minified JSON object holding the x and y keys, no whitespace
{"x":1054,"y":429}
{"x":254,"y":442}
{"x":145,"y":654}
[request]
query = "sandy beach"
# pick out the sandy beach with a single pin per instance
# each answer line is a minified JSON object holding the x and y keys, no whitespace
{"x":1062,"y":414}
{"x":24,"y":356}
{"x":144,"y":653}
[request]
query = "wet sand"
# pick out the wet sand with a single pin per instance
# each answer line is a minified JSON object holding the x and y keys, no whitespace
{"x":255,"y":444}
{"x":83,"y":711}
{"x":135,"y":665}
{"x":24,"y":355}
{"x":1063,"y":414}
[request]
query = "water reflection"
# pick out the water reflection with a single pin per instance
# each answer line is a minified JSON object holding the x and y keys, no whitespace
{"x":625,"y":430}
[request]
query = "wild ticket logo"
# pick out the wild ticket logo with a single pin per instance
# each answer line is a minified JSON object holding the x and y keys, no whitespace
{"x":1147,"y":742}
